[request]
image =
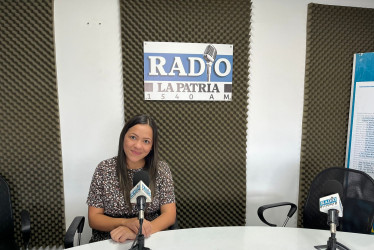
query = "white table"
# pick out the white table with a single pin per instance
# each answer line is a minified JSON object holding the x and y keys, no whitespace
{"x":251,"y":237}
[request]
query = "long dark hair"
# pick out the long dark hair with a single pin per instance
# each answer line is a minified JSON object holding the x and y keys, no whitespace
{"x":151,"y":160}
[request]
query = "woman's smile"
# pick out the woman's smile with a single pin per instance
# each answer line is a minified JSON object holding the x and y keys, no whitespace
{"x":136,"y":153}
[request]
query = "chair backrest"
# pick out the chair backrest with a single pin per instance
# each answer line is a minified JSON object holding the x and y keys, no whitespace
{"x":75,"y":227}
{"x":6,"y":215}
{"x":357,"y":199}
{"x":175,"y":225}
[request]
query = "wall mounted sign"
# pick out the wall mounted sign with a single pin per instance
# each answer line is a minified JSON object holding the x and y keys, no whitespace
{"x":188,"y":71}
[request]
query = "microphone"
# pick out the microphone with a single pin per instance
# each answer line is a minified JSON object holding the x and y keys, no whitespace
{"x":210,"y":54}
{"x":140,"y":193}
{"x":331,"y":203}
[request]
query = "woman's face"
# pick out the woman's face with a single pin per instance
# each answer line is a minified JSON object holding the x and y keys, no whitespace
{"x":137,"y":144}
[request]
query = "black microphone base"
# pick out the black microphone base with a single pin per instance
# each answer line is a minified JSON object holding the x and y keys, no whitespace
{"x":140,"y":243}
{"x":137,"y":247}
{"x":338,"y":246}
{"x":332,"y":244}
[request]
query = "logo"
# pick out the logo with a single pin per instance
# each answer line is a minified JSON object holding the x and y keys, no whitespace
{"x":329,"y":202}
{"x":146,"y":189}
{"x":134,"y":191}
{"x":188,"y":71}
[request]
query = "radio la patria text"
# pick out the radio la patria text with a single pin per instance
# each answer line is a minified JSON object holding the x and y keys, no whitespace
{"x":188,"y":87}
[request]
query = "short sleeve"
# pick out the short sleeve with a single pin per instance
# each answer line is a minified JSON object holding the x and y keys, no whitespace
{"x":166,"y":184}
{"x":95,"y":193}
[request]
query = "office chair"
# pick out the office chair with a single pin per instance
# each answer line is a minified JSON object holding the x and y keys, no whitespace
{"x":175,"y":225}
{"x":7,"y":239}
{"x":357,"y":200}
{"x":260,"y":212}
{"x":357,"y":196}
{"x":75,"y":227}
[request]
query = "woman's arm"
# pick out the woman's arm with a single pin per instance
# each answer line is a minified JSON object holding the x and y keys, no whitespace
{"x":99,"y":221}
{"x":166,"y":219}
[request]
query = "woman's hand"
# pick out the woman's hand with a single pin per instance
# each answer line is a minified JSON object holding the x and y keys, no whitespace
{"x":147,"y":228}
{"x":134,"y":225}
{"x":122,"y":233}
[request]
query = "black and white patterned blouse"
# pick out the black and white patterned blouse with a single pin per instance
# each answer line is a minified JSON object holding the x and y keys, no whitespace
{"x":105,"y":193}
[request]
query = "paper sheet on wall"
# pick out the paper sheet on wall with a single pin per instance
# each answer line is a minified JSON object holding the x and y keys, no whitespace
{"x":360,"y":143}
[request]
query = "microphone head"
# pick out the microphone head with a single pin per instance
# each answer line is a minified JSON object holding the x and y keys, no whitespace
{"x":141,"y":176}
{"x":332,"y":187}
{"x":333,"y":196}
{"x":140,"y":182}
{"x":210,"y":53}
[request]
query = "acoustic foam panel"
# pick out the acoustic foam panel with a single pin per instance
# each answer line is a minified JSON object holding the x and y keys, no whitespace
{"x":203,"y":142}
{"x":334,"y":35}
{"x":30,"y":149}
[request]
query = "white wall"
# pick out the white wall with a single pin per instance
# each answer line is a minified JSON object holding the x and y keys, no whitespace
{"x":275,"y":105}
{"x":89,"y":76}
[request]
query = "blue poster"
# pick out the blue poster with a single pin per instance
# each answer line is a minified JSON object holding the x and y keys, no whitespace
{"x":360,"y":143}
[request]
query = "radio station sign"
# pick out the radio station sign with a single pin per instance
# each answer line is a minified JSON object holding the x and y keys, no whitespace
{"x":188,"y":71}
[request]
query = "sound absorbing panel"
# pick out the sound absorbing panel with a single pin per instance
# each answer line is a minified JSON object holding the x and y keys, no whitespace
{"x":30,"y":149}
{"x":203,"y":142}
{"x":334,"y":34}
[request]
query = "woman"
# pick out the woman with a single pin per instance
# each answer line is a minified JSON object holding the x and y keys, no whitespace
{"x":110,"y":213}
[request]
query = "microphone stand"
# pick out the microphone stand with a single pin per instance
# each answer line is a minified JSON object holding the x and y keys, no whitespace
{"x":332,"y":243}
{"x":139,"y":239}
{"x":140,"y":236}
